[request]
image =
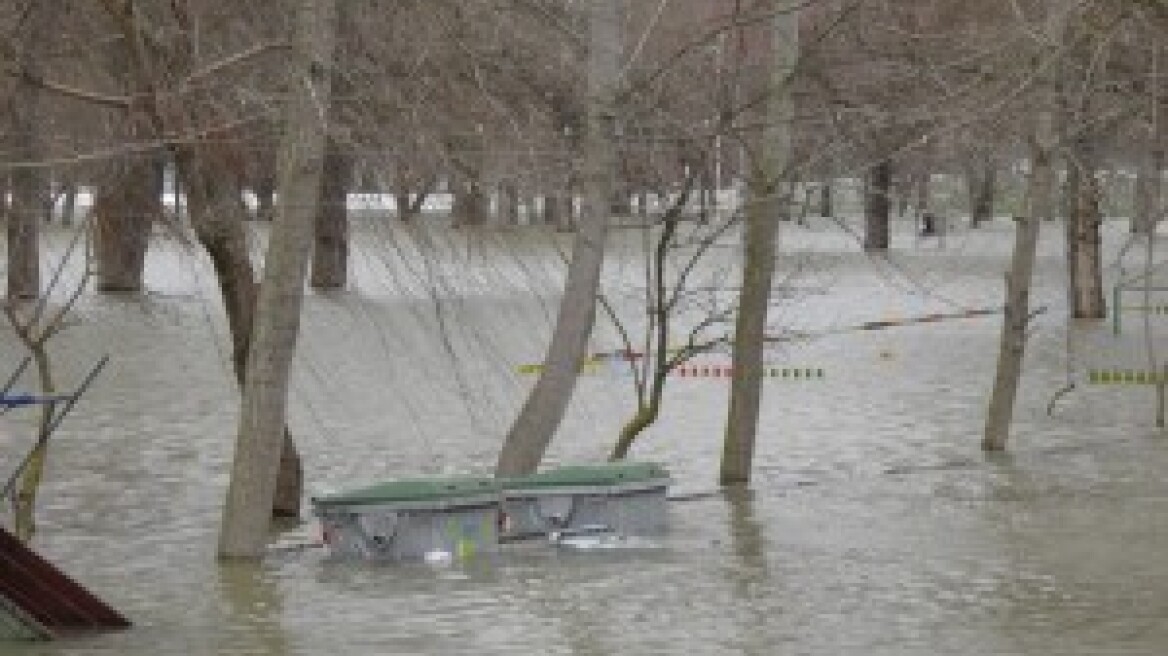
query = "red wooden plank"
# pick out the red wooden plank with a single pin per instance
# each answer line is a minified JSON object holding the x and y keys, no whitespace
{"x":46,"y":594}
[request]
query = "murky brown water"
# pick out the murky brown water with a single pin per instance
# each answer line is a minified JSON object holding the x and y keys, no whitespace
{"x":875,"y":525}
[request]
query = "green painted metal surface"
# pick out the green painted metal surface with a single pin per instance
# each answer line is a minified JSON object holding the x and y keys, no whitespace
{"x":436,"y":490}
{"x":603,"y":475}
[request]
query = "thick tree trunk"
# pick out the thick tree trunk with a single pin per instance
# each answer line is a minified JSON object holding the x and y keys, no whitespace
{"x":550,"y":209}
{"x":330,"y":256}
{"x":1016,"y":320}
{"x":877,"y":206}
{"x":124,"y":212}
{"x":255,"y":468}
{"x":25,"y":215}
{"x":769,"y":201}
{"x":621,"y":204}
{"x":401,"y":202}
{"x":30,"y":190}
{"x":1084,"y":241}
{"x":471,"y":205}
{"x":558,"y":211}
{"x":218,"y":221}
{"x":541,"y":414}
{"x":1147,"y":192}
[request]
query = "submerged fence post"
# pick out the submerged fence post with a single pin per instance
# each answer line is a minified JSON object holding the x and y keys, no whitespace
{"x":1161,"y":385}
{"x":1115,"y":309}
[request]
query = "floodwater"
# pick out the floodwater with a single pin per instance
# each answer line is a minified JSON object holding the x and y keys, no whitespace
{"x":874,"y":524}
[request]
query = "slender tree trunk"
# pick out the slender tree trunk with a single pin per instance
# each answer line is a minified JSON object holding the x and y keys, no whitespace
{"x":24,"y":515}
{"x":930,"y":225}
{"x":401,"y":194}
{"x":330,"y":256}
{"x":923,"y":192}
{"x":553,"y":207}
{"x":541,"y":414}
{"x":1084,"y":241}
{"x":1016,"y":321}
{"x":255,"y":468}
{"x":877,"y":206}
{"x":826,"y":206}
{"x":68,"y":203}
{"x":5,"y":197}
{"x":509,"y":202}
{"x":981,"y":181}
{"x":565,"y":213}
{"x":769,"y":201}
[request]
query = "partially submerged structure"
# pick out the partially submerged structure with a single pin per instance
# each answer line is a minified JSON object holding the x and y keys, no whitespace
{"x":455,"y":518}
{"x":39,"y":602}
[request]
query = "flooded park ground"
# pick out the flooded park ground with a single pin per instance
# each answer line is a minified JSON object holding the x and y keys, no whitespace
{"x":874,"y":525}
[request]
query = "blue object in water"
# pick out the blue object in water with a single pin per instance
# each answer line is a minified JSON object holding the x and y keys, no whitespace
{"x":21,"y":400}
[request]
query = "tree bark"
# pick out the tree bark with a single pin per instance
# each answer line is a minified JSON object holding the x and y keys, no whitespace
{"x":27,"y":212}
{"x":923,"y":192}
{"x":217,"y":218}
{"x":509,"y":202}
{"x":1084,"y":241}
{"x":981,"y":193}
{"x":621,"y":204}
{"x":207,"y":175}
{"x":255,"y":468}
{"x":826,"y":207}
{"x":471,"y":205}
{"x":29,"y":184}
{"x":558,"y":211}
{"x":124,"y":212}
{"x":877,"y":206}
{"x":265,"y":191}
{"x":1016,"y":320}
{"x":541,"y":414}
{"x":769,"y":199}
{"x":1147,"y":192}
{"x":330,"y":256}
{"x":68,"y":203}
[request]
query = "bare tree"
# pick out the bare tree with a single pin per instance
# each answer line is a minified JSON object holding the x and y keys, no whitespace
{"x":255,"y":468}
{"x":769,"y":200}
{"x":541,"y":414}
{"x":29,"y":182}
{"x":35,"y":324}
